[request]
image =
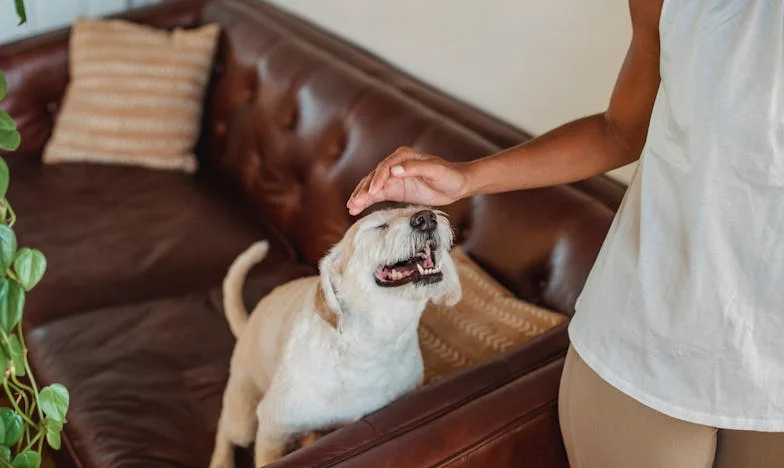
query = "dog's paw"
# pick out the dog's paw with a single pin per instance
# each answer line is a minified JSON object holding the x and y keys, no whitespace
{"x":308,"y":439}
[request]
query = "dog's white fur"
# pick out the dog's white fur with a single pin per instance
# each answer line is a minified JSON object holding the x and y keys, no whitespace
{"x":324,"y":351}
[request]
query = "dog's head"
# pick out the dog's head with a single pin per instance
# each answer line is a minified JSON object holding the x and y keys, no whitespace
{"x":390,"y":255}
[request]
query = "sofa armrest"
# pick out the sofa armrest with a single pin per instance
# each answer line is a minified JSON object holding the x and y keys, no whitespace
{"x":503,"y":408}
{"x":37,"y":69}
{"x":37,"y":73}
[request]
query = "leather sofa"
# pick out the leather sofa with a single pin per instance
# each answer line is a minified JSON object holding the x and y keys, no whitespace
{"x":129,"y":317}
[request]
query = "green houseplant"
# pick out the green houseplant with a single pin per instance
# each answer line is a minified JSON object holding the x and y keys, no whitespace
{"x":31,"y":416}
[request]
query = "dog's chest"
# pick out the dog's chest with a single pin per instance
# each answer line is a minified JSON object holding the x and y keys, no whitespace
{"x":343,"y":388}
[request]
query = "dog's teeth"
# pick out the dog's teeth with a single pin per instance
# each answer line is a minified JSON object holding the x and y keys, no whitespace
{"x":421,"y":270}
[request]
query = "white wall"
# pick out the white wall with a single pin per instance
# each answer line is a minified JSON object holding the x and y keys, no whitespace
{"x":533,"y":63}
{"x":44,"y":15}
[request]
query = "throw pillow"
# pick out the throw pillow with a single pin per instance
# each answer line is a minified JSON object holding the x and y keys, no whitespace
{"x":488,"y":322}
{"x":135,"y":95}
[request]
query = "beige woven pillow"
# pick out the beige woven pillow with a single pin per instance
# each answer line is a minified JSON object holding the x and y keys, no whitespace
{"x":135,"y":95}
{"x":488,"y":322}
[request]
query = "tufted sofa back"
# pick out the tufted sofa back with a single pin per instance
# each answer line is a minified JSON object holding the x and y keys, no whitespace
{"x":294,"y":118}
{"x":297,"y":125}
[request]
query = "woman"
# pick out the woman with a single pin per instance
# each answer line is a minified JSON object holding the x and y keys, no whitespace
{"x":677,"y":356}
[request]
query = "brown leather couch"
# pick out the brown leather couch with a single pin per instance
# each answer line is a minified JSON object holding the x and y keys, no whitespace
{"x":129,"y":316}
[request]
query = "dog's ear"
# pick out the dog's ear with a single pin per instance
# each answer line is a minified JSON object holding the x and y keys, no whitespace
{"x":327,"y":302}
{"x":451,"y":292}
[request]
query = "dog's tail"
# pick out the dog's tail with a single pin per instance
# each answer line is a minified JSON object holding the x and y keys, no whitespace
{"x":233,"y":304}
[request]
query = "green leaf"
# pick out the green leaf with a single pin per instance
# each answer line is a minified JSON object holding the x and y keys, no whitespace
{"x":5,"y":178}
{"x":6,"y":121}
{"x":2,"y":436}
{"x":17,"y":355}
{"x":12,"y":299}
{"x":20,"y":11}
{"x":54,"y":401}
{"x":13,"y":426}
{"x":5,"y":453}
{"x":53,"y":429}
{"x":29,"y":265}
{"x":27,"y":459}
{"x":10,"y":140}
{"x":3,"y":86}
{"x":7,"y":247}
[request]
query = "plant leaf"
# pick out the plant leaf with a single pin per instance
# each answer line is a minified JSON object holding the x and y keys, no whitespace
{"x":13,"y":426}
{"x":12,"y":299}
{"x":54,"y":401}
{"x":7,"y":247}
{"x":29,"y":265}
{"x":5,"y":179}
{"x":10,"y":140}
{"x":4,"y":288}
{"x":53,"y":429}
{"x":20,"y":11}
{"x":3,"y":86}
{"x":6,"y":121}
{"x":17,"y":355}
{"x":5,"y":453}
{"x":2,"y":438}
{"x":27,"y":459}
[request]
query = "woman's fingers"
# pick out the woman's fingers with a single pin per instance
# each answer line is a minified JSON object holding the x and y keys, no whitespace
{"x":360,"y":199}
{"x":383,"y":170}
{"x":359,"y":186}
{"x":429,"y":169}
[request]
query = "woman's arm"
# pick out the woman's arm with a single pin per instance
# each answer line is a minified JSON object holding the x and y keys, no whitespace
{"x":572,"y":152}
{"x":594,"y":144}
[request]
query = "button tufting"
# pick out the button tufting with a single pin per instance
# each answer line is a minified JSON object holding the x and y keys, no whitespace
{"x":291,"y":118}
{"x":220,"y":128}
{"x":337,"y":146}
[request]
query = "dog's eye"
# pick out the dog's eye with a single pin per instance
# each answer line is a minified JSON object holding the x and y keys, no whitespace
{"x":381,"y":227}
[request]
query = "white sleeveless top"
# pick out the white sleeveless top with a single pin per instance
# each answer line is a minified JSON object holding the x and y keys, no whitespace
{"x":684,"y":308}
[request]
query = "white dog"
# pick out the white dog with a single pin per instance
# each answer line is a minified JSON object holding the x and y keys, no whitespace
{"x":324,"y":351}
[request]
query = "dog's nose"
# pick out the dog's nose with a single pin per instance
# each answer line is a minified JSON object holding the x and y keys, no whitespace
{"x":424,"y":220}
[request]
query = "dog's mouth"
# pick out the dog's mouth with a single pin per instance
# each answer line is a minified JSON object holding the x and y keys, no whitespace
{"x":419,"y":269}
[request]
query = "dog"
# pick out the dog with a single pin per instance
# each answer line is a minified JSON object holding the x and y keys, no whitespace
{"x":323,"y":351}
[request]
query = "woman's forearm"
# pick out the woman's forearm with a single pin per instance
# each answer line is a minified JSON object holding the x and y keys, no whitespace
{"x":572,"y":152}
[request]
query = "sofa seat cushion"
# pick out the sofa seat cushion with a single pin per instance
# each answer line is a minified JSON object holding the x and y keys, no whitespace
{"x":146,"y":379}
{"x":114,"y":235}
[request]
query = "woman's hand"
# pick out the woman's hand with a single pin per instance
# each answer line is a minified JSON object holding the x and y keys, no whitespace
{"x":411,"y":177}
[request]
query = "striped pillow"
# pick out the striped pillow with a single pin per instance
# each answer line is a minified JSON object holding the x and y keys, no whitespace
{"x":135,"y":95}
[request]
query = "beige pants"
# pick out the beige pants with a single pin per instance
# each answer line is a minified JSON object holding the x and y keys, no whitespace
{"x":604,"y":428}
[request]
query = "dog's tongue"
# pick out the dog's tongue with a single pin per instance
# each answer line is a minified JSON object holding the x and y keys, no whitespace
{"x":396,"y":273}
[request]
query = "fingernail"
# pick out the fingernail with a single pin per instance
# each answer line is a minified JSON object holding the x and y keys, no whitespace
{"x":397,"y":170}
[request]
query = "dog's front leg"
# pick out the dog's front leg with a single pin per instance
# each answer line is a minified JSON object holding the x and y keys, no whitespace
{"x":270,"y":444}
{"x":271,"y":435}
